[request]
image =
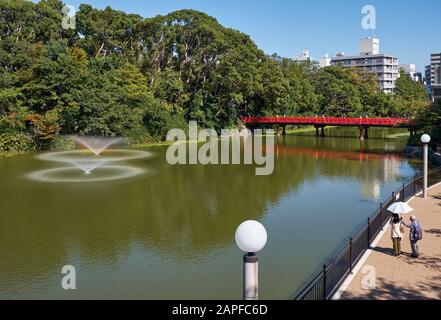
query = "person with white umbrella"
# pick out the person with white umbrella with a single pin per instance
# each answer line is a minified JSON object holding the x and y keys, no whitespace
{"x":397,"y":230}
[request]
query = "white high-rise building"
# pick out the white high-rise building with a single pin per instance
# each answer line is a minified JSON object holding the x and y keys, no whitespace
{"x":304,"y":57}
{"x":325,"y":61}
{"x":383,"y":66}
{"x":411,"y":71}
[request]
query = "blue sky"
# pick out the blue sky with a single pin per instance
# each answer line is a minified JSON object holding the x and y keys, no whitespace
{"x":409,"y":29}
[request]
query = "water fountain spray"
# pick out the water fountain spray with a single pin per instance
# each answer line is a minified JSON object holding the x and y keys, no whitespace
{"x":96,"y":162}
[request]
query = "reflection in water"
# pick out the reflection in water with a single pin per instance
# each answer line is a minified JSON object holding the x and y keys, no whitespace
{"x":71,"y":174}
{"x":158,"y":236}
{"x":332,"y":154}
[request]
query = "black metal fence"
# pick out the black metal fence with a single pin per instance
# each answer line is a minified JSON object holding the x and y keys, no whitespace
{"x":327,"y":281}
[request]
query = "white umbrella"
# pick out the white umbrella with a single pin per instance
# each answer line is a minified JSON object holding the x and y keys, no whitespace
{"x":400,"y":208}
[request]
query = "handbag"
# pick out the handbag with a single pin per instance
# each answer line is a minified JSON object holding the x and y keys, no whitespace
{"x":402,"y":230}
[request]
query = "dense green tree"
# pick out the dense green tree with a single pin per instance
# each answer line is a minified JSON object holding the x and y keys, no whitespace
{"x":119,"y":74}
{"x":429,"y":120}
{"x":408,"y":89}
{"x":337,"y":94}
{"x":107,"y":32}
{"x":302,"y":97}
{"x":410,"y":96}
{"x":168,"y":86}
{"x":275,"y":89}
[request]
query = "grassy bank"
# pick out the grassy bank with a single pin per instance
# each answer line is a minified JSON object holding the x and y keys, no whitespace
{"x":351,"y":132}
{"x":399,"y":135}
{"x":304,"y":130}
{"x":9,"y":154}
{"x":168,"y":143}
{"x":152,"y":144}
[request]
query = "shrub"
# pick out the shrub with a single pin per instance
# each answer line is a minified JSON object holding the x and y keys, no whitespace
{"x":16,"y":142}
{"x":138,"y":135}
{"x":60,"y":143}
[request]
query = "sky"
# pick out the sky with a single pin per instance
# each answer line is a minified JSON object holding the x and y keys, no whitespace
{"x":408,"y":29}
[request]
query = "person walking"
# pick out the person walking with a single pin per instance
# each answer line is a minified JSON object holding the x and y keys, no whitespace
{"x":416,"y":234}
{"x":396,"y":233}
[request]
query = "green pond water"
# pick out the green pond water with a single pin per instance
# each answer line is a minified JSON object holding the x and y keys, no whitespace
{"x":168,"y":233}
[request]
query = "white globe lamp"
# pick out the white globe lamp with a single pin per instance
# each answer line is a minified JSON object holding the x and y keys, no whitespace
{"x":251,"y":237}
{"x":425,"y":138}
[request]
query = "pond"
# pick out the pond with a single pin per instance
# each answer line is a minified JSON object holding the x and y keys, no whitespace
{"x":168,"y":233}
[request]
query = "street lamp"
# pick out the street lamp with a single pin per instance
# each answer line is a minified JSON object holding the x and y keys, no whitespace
{"x":251,"y":238}
{"x":425,"y":139}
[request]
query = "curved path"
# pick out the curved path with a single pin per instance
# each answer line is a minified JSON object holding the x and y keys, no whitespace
{"x":403,"y":277}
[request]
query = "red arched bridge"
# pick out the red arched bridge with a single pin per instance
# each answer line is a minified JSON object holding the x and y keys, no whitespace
{"x":321,"y":122}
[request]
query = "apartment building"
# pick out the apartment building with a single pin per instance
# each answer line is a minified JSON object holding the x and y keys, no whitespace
{"x":383,"y":66}
{"x":433,"y":76}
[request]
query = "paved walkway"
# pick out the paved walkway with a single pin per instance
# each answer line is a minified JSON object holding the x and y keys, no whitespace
{"x":404,"y":277}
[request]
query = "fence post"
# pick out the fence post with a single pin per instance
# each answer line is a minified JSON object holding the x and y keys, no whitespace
{"x":415,"y":185}
{"x":381,"y":215}
{"x":350,"y":254}
{"x":369,"y":232}
{"x":403,"y":196}
{"x":325,"y":294}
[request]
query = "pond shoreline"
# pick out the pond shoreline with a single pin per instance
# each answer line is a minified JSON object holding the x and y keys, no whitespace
{"x":9,"y":154}
{"x":298,"y":131}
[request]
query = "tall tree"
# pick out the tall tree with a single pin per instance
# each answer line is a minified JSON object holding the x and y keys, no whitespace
{"x":411,"y":96}
{"x":337,"y":94}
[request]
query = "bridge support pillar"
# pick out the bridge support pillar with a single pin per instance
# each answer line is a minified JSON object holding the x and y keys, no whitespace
{"x":366,"y":134}
{"x":363,"y":133}
{"x":320,"y":133}
{"x":284,"y":131}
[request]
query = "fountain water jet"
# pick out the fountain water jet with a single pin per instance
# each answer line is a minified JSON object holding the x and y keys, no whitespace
{"x":80,"y":156}
{"x":94,"y":160}
{"x":107,"y":173}
{"x":97,"y":145}
{"x":87,"y":165}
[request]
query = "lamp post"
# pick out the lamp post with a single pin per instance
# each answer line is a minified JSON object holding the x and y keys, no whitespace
{"x":251,"y":238}
{"x":425,"y":139}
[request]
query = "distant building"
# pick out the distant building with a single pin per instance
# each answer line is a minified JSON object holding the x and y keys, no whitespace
{"x":433,"y":77}
{"x":370,"y":45}
{"x":411,"y":71}
{"x":384,"y":66}
{"x":304,"y":57}
{"x":427,"y":75}
{"x":325,"y":61}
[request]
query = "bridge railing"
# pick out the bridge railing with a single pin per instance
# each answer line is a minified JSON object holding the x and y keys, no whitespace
{"x":325,"y":283}
{"x":317,"y":120}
